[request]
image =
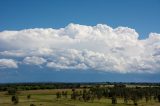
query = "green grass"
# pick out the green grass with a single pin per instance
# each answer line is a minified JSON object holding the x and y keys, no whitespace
{"x":50,"y":100}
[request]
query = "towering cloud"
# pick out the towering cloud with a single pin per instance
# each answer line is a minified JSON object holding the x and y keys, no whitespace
{"x":99,"y":47}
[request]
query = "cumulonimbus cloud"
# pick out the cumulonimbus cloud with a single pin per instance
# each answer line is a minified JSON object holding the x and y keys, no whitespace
{"x":99,"y":47}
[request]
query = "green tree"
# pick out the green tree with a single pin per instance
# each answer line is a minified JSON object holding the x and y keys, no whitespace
{"x":32,"y":105}
{"x":147,"y":98}
{"x":125,"y":100}
{"x":28,"y":96}
{"x":74,"y":94}
{"x":158,"y":98}
{"x":58,"y":95}
{"x":135,"y":100}
{"x":65,"y":94}
{"x":12,"y":91}
{"x":114,"y":100}
{"x":15,"y":99}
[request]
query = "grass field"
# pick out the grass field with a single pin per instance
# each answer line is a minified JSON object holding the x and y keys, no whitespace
{"x":48,"y":98}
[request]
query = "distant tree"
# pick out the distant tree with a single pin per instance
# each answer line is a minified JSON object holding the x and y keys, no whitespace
{"x":125,"y":100}
{"x":28,"y":96}
{"x":15,"y":99}
{"x":158,"y":98}
{"x":99,"y":94}
{"x":155,"y":98}
{"x":80,"y":93}
{"x":92,"y":97}
{"x":147,"y":98}
{"x":12,"y":91}
{"x":84,"y":95}
{"x":62,"y":93}
{"x":58,"y":95}
{"x":65,"y":94}
{"x":114,"y":100}
{"x":32,"y":105}
{"x":74,"y":94}
{"x":135,"y":100}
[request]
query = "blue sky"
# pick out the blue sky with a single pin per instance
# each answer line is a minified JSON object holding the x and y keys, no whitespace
{"x":27,"y":58}
{"x":142,"y":15}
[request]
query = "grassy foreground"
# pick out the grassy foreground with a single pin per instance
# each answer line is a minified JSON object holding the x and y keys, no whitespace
{"x":48,"y":98}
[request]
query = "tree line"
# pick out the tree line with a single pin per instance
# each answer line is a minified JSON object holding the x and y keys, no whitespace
{"x":50,"y":85}
{"x":133,"y":94}
{"x":89,"y":94}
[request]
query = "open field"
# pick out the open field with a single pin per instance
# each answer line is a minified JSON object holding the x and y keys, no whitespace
{"x":48,"y":98}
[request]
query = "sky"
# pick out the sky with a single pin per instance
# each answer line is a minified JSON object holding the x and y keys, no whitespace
{"x":79,"y":40}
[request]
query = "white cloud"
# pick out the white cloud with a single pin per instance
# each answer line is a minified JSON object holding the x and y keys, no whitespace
{"x":15,"y":53}
{"x":34,"y":60}
{"x":77,"y":46}
{"x":60,"y":66}
{"x":8,"y":63}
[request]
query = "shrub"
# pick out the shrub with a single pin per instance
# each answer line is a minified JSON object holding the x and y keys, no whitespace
{"x":32,"y":105}
{"x":15,"y":99}
{"x":114,"y":100}
{"x":28,"y":96}
{"x":12,"y":91}
{"x":158,"y":98}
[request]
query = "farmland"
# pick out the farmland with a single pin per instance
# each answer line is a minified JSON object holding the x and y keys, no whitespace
{"x":48,"y":97}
